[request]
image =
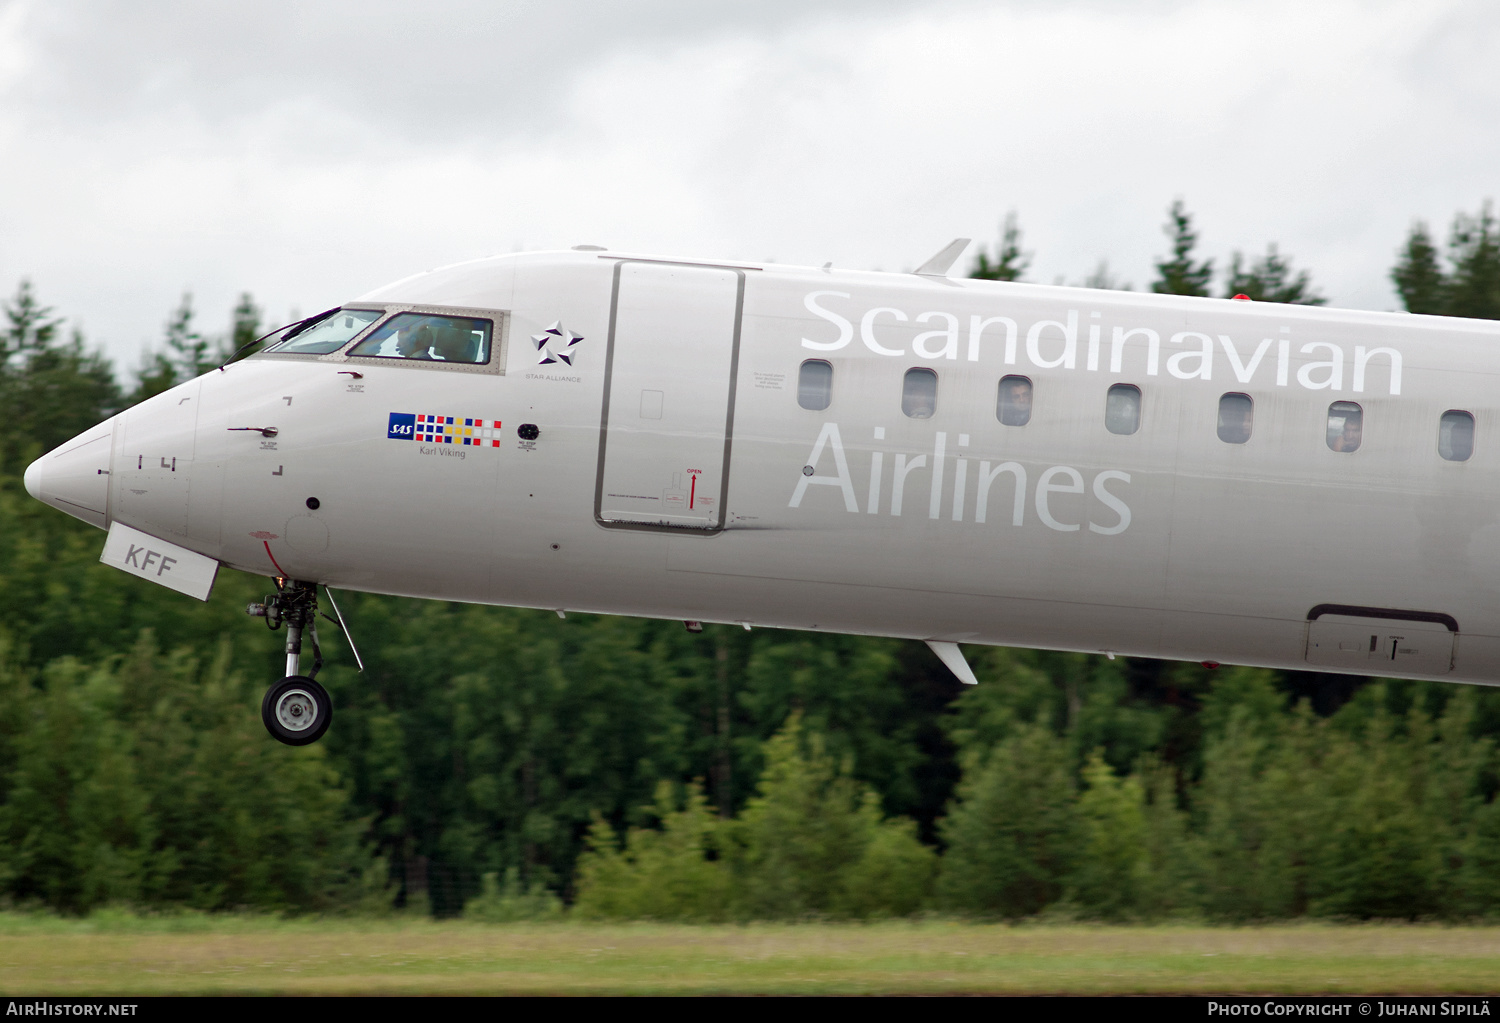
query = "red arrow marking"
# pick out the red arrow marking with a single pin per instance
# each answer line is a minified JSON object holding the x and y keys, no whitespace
{"x":692,"y":491}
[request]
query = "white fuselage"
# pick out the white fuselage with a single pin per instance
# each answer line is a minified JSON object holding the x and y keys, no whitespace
{"x":676,"y":475}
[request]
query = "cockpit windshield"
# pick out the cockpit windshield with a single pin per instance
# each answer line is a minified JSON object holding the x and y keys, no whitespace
{"x":329,"y":334}
{"x":423,"y":336}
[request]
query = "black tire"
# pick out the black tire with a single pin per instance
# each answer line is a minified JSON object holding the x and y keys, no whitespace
{"x":296,"y":711}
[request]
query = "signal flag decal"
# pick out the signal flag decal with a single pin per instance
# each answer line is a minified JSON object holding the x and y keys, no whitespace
{"x":432,"y":429}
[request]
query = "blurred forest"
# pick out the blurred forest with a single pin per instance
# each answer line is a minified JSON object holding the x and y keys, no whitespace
{"x":505,"y":764}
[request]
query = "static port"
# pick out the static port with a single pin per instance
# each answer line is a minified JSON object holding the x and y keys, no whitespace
{"x":528,"y":431}
{"x":313,"y":503}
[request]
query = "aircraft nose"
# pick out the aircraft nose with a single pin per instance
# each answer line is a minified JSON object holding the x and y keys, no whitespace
{"x":75,"y":477}
{"x":33,"y":479}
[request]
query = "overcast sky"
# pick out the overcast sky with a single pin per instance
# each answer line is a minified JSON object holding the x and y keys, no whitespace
{"x":307,"y":152}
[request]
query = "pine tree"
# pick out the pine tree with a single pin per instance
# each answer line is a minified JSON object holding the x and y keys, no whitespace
{"x":187,"y":347}
{"x":1009,"y":262}
{"x":1470,"y":286}
{"x":894,"y":874}
{"x":1257,"y":779}
{"x":1474,"y":250}
{"x":244,"y":329}
{"x":51,"y":390}
{"x":1382,"y":851}
{"x":1270,"y":279}
{"x":1104,"y":279}
{"x":1418,"y":275}
{"x":184,"y":357}
{"x":1172,"y":850}
{"x":814,"y":843}
{"x":1113,"y":873}
{"x":1012,"y":830}
{"x":76,"y":824}
{"x":1180,"y":275}
{"x":680,"y":872}
{"x":1481,"y":869}
{"x":30,"y":326}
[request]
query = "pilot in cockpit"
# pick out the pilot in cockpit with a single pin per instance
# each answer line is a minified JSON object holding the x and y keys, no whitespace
{"x":421,"y":337}
{"x":416,"y":342}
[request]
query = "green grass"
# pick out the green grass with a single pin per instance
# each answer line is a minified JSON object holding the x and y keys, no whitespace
{"x":121,"y":954}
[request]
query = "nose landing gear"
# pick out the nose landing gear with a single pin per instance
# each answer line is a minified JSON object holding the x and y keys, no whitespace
{"x":296,"y":710}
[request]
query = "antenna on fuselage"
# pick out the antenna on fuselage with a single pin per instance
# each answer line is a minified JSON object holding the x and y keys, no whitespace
{"x":953,"y":657}
{"x":939,"y":265}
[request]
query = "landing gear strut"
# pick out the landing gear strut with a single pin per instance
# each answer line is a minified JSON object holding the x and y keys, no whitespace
{"x":296,"y":710}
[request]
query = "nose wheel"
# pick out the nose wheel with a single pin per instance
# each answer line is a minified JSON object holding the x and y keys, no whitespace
{"x":296,"y":710}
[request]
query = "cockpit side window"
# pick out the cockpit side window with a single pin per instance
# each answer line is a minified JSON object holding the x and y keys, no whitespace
{"x":430,"y":338}
{"x":329,"y":334}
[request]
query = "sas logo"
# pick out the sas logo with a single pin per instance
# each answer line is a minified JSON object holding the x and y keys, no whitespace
{"x":402,"y":426}
{"x":454,"y":430}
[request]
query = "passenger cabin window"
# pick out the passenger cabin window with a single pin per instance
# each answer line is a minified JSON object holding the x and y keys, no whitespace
{"x":425,"y":337}
{"x":1014,"y":407}
{"x":330,"y":333}
{"x":1122,"y":409}
{"x":1456,"y":435}
{"x":1236,"y":416}
{"x":815,"y":385}
{"x":919,"y":393}
{"x":1345,"y":426}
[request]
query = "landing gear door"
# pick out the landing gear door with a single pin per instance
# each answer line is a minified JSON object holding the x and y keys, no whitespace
{"x":665,"y":432}
{"x":1382,"y":645}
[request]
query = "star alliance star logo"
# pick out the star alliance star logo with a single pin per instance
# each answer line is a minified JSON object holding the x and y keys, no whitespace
{"x":556,"y":344}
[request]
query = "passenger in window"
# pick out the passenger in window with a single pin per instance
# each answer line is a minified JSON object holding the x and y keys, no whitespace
{"x":1122,"y":409}
{"x":919,"y":393}
{"x":1015,"y":401}
{"x":1350,"y":436}
{"x":1236,"y":415}
{"x":1345,"y":426}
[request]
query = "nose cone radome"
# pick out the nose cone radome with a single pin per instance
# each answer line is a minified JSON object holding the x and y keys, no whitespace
{"x":75,"y":477}
{"x":33,"y":479}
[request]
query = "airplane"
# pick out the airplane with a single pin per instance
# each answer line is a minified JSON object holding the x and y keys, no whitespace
{"x":907,"y":455}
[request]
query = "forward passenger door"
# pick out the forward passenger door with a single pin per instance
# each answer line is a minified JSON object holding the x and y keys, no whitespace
{"x":665,"y":429}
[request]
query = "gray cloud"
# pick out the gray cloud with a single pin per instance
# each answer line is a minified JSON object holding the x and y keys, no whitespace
{"x":438,"y":71}
{"x":309,"y":152}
